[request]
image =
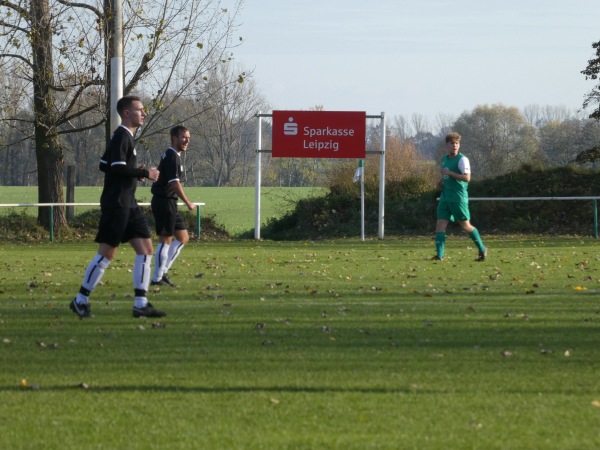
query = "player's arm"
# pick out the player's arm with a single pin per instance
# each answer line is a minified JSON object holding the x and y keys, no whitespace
{"x":458,"y":176}
{"x":465,"y":170}
{"x":122,"y":170}
{"x":176,"y":185}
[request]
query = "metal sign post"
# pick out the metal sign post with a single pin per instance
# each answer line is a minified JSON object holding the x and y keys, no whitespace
{"x":320,"y":134}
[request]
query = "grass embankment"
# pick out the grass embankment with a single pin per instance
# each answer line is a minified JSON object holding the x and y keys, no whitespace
{"x":330,"y":344}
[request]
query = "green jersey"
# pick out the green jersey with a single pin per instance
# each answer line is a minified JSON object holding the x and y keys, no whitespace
{"x":455,"y":190}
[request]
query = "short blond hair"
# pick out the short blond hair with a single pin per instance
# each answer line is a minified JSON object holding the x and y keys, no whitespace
{"x":452,"y":136}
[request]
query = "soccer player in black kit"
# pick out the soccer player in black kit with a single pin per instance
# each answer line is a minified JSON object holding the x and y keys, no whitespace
{"x":165,"y":192}
{"x":121,"y":219}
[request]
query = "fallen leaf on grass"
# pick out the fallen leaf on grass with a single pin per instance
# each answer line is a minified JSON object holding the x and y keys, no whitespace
{"x":579,"y":288}
{"x":477,"y":425}
{"x":596,"y":403}
{"x":494,"y":276}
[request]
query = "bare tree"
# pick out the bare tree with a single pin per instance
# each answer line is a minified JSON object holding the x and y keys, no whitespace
{"x":228,"y":110}
{"x":444,"y":123}
{"x":420,"y":123}
{"x":400,"y":128}
{"x":61,"y":48}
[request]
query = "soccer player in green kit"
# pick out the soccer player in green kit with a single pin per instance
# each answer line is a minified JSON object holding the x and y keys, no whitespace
{"x":454,"y":200}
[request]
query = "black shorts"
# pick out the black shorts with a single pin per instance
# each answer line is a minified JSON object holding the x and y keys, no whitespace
{"x":118,"y":225}
{"x":166,"y":216}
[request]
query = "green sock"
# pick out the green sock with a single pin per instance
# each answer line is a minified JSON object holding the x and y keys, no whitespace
{"x":474,"y":235}
{"x":440,"y":243}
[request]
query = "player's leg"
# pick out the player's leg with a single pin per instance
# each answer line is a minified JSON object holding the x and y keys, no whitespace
{"x":165,"y":225}
{"x":110,"y":231}
{"x":138,"y":235}
{"x":181,"y":239}
{"x":473,"y":233}
{"x":443,"y":217}
{"x":165,"y":212}
{"x":160,"y":260}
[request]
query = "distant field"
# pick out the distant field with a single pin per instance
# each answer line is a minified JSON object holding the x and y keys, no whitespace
{"x":233,"y":206}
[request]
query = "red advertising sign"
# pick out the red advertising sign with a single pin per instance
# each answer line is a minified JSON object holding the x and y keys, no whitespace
{"x":319,"y":134}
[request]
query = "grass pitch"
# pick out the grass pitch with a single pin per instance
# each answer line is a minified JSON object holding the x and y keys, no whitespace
{"x":342,"y":344}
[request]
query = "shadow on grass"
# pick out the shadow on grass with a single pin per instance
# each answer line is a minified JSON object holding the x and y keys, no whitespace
{"x":218,"y":390}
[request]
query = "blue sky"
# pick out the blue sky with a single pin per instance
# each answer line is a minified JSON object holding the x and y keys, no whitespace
{"x":427,"y":57}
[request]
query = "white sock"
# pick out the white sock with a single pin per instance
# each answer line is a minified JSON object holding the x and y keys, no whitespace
{"x":160,"y":261}
{"x":174,"y":251}
{"x":92,"y":276}
{"x":140,"y":302}
{"x":141,"y":278}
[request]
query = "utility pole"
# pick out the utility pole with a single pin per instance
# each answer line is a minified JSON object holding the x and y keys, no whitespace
{"x":116,"y":63}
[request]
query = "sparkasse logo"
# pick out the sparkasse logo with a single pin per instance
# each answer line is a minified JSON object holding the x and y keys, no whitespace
{"x":290,"y":128}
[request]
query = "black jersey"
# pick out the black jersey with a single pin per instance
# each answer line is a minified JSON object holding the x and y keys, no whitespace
{"x":121,"y":174}
{"x":170,"y":169}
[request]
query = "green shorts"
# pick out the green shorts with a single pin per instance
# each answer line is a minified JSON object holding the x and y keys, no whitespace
{"x":453,"y":211}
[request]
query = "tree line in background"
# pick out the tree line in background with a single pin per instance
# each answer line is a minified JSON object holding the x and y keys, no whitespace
{"x":497,"y":139}
{"x":55,"y":60}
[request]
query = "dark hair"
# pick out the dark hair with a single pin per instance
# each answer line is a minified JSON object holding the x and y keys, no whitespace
{"x":452,"y":136}
{"x":178,"y":129}
{"x":126,"y":102}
